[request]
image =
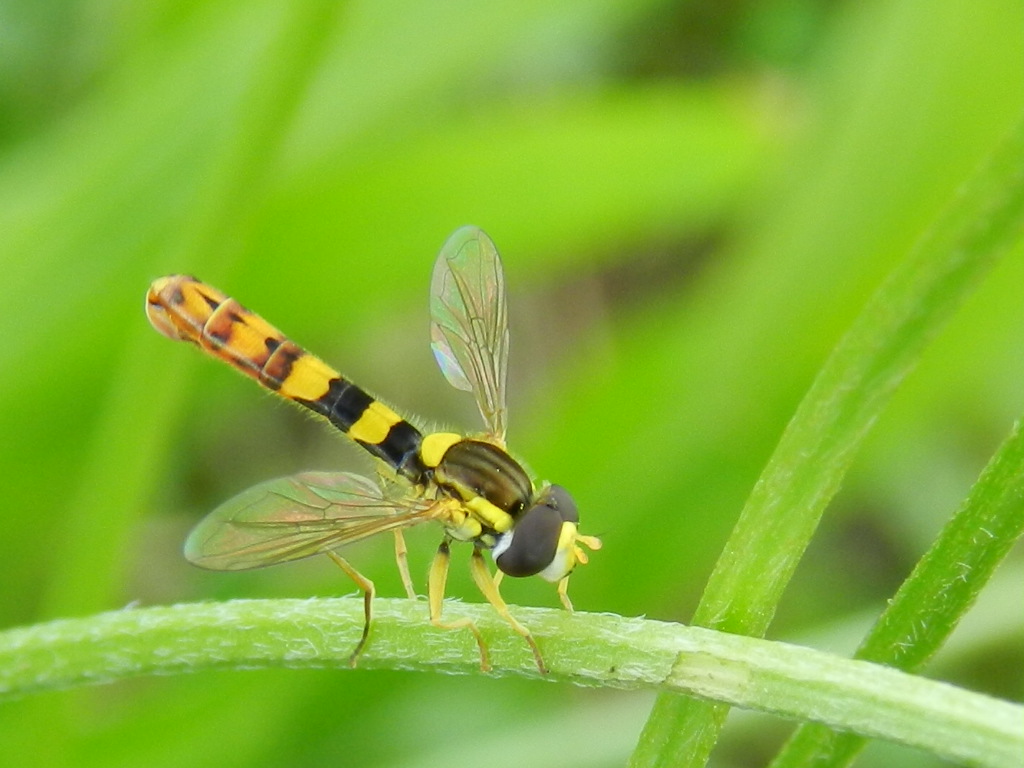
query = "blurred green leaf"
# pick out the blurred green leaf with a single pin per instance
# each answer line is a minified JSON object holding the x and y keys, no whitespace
{"x":984,"y":222}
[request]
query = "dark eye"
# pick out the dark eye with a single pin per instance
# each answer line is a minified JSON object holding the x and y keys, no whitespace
{"x":531,"y":545}
{"x":556,"y":497}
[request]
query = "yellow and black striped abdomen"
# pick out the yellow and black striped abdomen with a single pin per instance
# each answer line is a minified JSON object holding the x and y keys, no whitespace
{"x":184,"y":308}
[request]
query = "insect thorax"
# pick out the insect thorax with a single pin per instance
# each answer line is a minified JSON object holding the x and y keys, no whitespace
{"x":492,"y":486}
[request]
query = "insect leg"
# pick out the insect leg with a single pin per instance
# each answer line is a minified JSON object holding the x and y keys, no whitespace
{"x":435,"y":596}
{"x":580,"y":556}
{"x":368,"y":592}
{"x":563,"y":593}
{"x":403,"y":564}
{"x":487,"y":585}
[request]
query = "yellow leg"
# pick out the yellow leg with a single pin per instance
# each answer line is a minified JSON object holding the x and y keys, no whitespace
{"x":580,"y":556}
{"x":435,"y":597}
{"x":563,"y":593}
{"x":487,"y":585}
{"x":403,"y":564}
{"x":368,"y":591}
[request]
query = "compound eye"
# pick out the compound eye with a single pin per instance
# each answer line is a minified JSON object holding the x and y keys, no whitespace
{"x":530,"y":547}
{"x":556,"y":497}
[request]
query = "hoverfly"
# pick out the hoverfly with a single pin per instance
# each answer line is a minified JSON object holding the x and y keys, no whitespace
{"x":468,"y":484}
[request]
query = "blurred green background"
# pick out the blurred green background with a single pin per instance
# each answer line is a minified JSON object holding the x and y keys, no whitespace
{"x":693,"y":200}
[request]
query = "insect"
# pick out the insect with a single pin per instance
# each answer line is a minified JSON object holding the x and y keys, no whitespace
{"x":469,"y":484}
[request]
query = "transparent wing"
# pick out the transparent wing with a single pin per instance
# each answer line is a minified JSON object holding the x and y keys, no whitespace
{"x":469,"y":322}
{"x":297,"y":516}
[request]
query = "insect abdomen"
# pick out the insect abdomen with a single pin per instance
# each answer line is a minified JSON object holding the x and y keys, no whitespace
{"x":184,"y":308}
{"x":372,"y":424}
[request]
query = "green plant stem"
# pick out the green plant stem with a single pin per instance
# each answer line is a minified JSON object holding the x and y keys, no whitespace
{"x":941,"y":589}
{"x":585,"y":649}
{"x":851,"y":390}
